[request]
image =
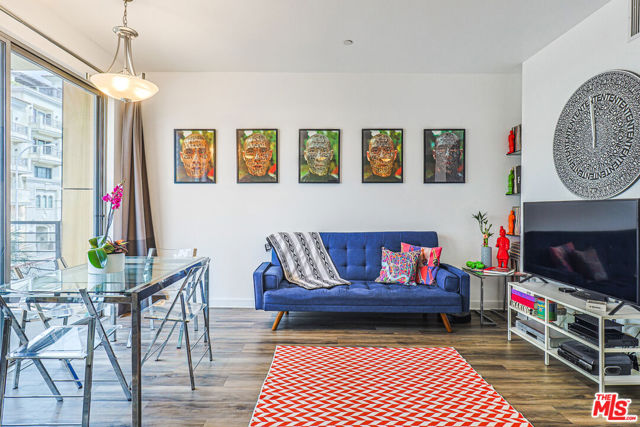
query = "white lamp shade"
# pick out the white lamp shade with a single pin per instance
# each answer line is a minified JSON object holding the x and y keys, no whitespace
{"x":124,"y":86}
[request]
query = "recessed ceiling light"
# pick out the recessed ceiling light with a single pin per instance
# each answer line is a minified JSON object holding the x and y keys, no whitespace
{"x":348,"y":42}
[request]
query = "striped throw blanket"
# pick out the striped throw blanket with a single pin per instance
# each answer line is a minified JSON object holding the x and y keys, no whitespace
{"x":305,"y":260}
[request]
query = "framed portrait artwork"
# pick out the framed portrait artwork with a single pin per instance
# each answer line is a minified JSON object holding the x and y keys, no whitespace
{"x":444,"y":158}
{"x":194,"y":156}
{"x":382,"y":151}
{"x":319,"y":156}
{"x":257,"y":155}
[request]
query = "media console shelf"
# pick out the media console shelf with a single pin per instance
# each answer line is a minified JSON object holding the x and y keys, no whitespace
{"x":551,"y":293}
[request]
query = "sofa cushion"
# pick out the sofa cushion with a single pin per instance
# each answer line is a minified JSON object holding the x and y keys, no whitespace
{"x":398,"y":267}
{"x":357,"y":255}
{"x":447,"y":280}
{"x":362,"y":293}
{"x":272,"y":277}
{"x":428,"y":263}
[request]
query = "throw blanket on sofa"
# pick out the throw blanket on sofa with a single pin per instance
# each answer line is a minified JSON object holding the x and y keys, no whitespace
{"x":305,"y":260}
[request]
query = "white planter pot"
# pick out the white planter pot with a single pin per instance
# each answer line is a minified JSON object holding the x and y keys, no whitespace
{"x":115,"y":264}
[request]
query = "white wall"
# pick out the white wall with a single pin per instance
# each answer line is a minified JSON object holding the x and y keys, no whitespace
{"x":550,"y":77}
{"x":229,"y":222}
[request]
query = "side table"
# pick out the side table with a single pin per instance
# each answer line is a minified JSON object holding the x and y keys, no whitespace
{"x":484,"y":319}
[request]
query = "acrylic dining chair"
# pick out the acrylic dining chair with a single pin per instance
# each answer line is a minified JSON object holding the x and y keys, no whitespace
{"x":187,"y":312}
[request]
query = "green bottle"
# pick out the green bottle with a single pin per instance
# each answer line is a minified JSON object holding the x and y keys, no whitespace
{"x":510,"y":179}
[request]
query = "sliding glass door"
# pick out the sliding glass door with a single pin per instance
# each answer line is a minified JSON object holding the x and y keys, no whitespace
{"x":52,"y":165}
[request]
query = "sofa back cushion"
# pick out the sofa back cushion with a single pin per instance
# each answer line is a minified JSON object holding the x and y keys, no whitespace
{"x":357,"y":255}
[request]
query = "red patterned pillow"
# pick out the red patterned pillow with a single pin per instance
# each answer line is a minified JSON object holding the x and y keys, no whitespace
{"x":428,"y":263}
{"x":398,"y":267}
{"x":560,"y":256}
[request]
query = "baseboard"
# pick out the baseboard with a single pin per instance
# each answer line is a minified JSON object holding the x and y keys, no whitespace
{"x":488,"y":305}
{"x":249,"y":303}
{"x":232,"y":303}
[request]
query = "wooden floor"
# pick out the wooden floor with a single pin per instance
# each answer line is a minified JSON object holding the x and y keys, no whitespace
{"x":228,"y":388}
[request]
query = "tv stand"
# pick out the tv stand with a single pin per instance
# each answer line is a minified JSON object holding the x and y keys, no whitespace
{"x":531,"y":276}
{"x":550,"y":292}
{"x":622,"y":304}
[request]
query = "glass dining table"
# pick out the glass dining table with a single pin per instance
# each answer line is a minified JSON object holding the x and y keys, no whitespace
{"x":142,"y":278}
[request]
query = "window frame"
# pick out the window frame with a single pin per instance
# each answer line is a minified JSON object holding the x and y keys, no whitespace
{"x":44,"y":170}
{"x":9,"y":46}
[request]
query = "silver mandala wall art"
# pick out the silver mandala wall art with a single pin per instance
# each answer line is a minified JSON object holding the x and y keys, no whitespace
{"x":596,"y":147}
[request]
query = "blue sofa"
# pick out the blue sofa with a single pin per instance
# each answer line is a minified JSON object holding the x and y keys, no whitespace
{"x":357,"y":258}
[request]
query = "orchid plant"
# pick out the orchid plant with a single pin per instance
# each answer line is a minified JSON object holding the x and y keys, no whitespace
{"x":101,"y":246}
{"x":485,"y":227}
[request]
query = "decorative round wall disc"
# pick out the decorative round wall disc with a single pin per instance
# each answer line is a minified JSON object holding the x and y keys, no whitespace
{"x":596,"y":147}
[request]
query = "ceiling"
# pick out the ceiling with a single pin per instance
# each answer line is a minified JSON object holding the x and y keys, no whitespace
{"x":406,"y":36}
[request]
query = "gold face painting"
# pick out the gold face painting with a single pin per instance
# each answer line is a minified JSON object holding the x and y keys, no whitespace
{"x":381,"y":155}
{"x":257,"y":154}
{"x":195,"y":156}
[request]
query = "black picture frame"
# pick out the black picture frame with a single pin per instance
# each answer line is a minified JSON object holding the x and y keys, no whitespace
{"x":176,"y":154}
{"x":337,"y":151}
{"x":275,"y":158}
{"x":428,"y":163}
{"x":398,"y":163}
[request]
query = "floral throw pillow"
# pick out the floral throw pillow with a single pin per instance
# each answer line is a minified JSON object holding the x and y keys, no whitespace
{"x":428,"y":262}
{"x":398,"y":267}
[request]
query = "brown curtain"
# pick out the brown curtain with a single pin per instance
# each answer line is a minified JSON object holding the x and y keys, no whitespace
{"x":137,"y":226}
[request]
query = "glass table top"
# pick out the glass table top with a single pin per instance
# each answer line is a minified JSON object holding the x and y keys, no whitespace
{"x":496,"y":272}
{"x":138,"y":273}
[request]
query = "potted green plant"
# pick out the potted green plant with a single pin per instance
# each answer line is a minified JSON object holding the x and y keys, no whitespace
{"x":485,"y":229}
{"x":106,"y":255}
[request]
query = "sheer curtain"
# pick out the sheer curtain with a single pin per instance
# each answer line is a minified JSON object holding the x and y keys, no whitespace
{"x":137,"y":225}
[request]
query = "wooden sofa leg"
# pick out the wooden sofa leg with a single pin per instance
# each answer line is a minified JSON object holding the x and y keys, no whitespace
{"x":445,"y":320}
{"x":277,"y":321}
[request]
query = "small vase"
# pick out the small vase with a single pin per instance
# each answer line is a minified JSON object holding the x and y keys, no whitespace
{"x":485,"y":255}
{"x":115,"y":264}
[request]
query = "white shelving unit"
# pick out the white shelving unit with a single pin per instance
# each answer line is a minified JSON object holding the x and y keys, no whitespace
{"x":551,"y":292}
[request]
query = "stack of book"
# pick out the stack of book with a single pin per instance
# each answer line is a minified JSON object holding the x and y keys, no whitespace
{"x":523,"y":302}
{"x":514,"y":251}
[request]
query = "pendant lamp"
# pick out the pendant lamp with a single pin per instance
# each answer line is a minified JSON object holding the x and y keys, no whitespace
{"x":125,"y":84}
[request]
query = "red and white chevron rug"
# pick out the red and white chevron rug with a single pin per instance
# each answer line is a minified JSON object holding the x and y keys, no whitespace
{"x":369,"y":386}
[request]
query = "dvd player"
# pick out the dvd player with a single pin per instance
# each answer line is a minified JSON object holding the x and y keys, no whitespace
{"x":586,"y":327}
{"x":535,"y":330}
{"x":587,"y":358}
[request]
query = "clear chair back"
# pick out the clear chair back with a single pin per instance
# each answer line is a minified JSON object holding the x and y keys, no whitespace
{"x":173,"y":253}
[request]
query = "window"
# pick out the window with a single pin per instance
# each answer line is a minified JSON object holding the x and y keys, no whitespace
{"x":42,"y":147}
{"x":42,"y":117}
{"x":56,"y":160}
{"x":42,"y":172}
{"x":43,"y":239}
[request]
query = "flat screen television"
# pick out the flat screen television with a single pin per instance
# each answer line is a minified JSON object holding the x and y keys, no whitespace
{"x":592,"y":245}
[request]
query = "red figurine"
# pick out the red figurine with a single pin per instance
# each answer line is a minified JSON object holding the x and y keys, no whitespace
{"x":503,"y":244}
{"x":512,"y":142}
{"x":512,"y":222}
